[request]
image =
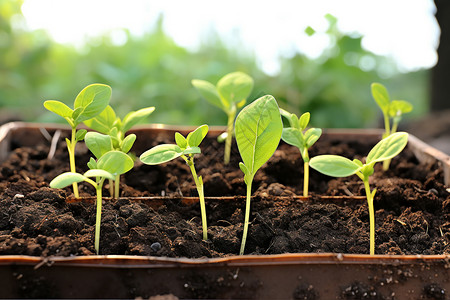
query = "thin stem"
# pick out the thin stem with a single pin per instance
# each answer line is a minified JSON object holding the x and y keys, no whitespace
{"x":199,"y":184}
{"x":369,"y":196}
{"x":98,"y":217}
{"x":71,"y":150}
{"x":387,"y":162}
{"x":117,"y":186}
{"x":229,"y":138}
{"x":386,"y":125}
{"x":247,"y":215}
{"x":305,"y":178}
{"x":111,"y":188}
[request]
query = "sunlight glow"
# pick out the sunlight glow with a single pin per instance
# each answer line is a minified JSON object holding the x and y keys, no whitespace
{"x":405,"y":30}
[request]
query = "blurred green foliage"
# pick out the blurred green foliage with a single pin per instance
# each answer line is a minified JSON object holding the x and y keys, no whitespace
{"x":152,"y":70}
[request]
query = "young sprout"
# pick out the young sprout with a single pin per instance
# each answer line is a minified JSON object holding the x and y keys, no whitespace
{"x":185,"y":148}
{"x":106,"y":167}
{"x":108,"y":123}
{"x":91,"y":101}
{"x":229,"y":94}
{"x":295,"y":136}
{"x":392,"y":110}
{"x":338,"y":166}
{"x":258,"y":132}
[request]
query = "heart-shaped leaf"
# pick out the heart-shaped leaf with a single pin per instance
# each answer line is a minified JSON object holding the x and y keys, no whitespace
{"x":103,"y":122}
{"x":258,"y":131}
{"x":381,"y":96}
{"x":135,"y":117}
{"x":234,"y":87}
{"x":93,"y":99}
{"x":99,"y":173}
{"x":208,"y":91}
{"x":98,"y":143}
{"x":334,"y":165}
{"x":294,"y":137}
{"x":195,"y":137}
{"x":66,"y":179}
{"x":161,"y":154}
{"x":388,"y":147}
{"x":115,"y":162}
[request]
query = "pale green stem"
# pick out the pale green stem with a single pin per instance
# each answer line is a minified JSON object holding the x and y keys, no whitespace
{"x":199,"y":185}
{"x":387,"y":162}
{"x":111,"y":188}
{"x":247,"y":215}
{"x":386,"y":125}
{"x":305,"y":178}
{"x":71,"y":150}
{"x":117,"y":186}
{"x":229,"y":138}
{"x":98,"y":217}
{"x":369,"y":196}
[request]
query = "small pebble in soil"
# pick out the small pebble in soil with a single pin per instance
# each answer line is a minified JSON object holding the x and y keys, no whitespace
{"x":155,"y":246}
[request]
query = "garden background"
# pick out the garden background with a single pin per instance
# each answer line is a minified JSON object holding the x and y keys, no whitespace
{"x":153,"y":70}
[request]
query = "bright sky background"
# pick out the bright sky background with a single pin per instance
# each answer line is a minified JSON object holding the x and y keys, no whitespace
{"x":403,"y":29}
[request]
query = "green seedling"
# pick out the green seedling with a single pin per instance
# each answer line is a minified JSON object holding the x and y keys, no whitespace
{"x":91,"y":101}
{"x":258,"y":132}
{"x":230,"y":94}
{"x":186,"y":148}
{"x":338,"y":166}
{"x":295,"y":136}
{"x":106,"y":167}
{"x":108,"y":123}
{"x":392,"y":110}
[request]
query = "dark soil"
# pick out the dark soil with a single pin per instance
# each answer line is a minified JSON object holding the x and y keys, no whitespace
{"x":412,"y":207}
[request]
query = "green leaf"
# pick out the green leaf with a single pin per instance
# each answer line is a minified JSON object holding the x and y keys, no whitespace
{"x":127,"y":143}
{"x":136,"y":117}
{"x":381,"y":96}
{"x":92,"y":163}
{"x":399,"y":107}
{"x":195,"y":137}
{"x":304,"y":120}
{"x":93,"y":99}
{"x":180,"y":140}
{"x":388,"y":147}
{"x":234,"y":87}
{"x":79,"y":136}
{"x":98,"y":143}
{"x":311,"y":136}
{"x":161,"y":154}
{"x":115,"y":162}
{"x":66,"y":179}
{"x":103,"y":122}
{"x":247,"y":174}
{"x":208,"y":91}
{"x":99,"y":173}
{"x":58,"y":108}
{"x":192,"y":150}
{"x":334,"y":165}
{"x":258,"y":131}
{"x":294,"y":137}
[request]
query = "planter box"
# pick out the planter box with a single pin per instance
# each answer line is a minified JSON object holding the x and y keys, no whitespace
{"x":295,"y":276}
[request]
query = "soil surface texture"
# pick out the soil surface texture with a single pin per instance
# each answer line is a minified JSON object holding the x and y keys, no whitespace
{"x":412,"y":206}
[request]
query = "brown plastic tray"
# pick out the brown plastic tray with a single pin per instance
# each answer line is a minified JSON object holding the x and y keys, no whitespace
{"x":285,"y":276}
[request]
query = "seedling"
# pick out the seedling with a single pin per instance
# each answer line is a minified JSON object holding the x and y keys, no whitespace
{"x":186,"y":148}
{"x":338,"y":166}
{"x":108,"y":123}
{"x":230,"y":94}
{"x":91,"y":101}
{"x":295,"y":136}
{"x":258,"y":133}
{"x":391,"y":110}
{"x":106,"y":167}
